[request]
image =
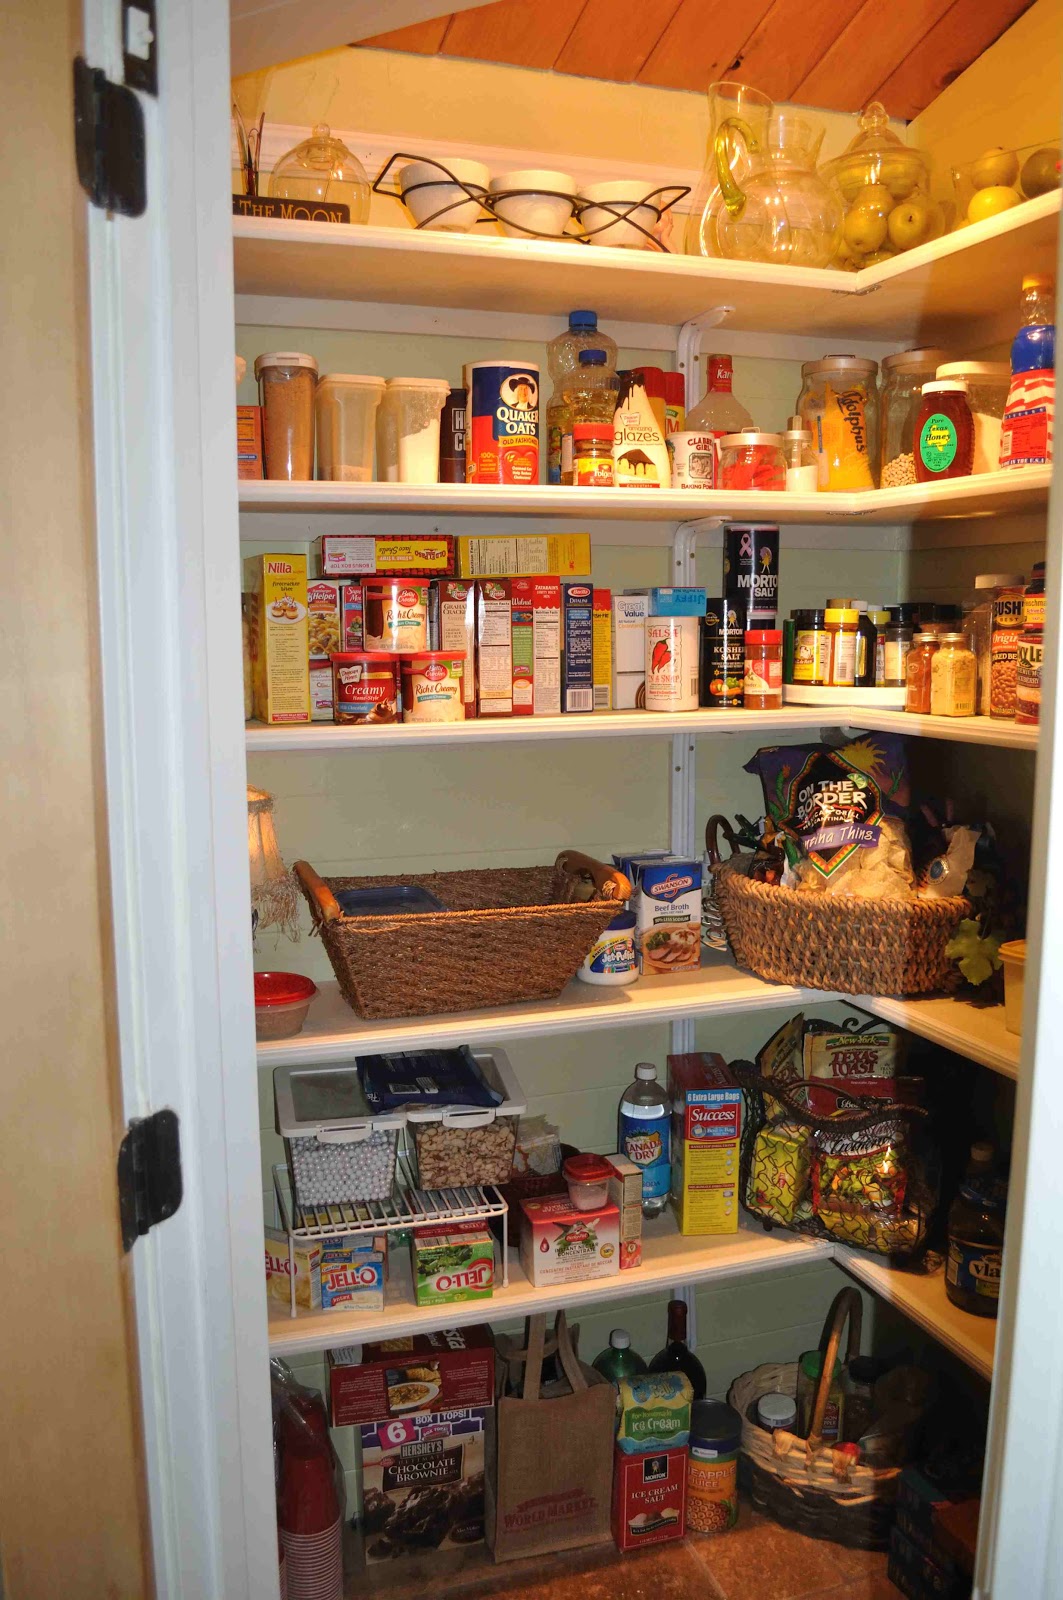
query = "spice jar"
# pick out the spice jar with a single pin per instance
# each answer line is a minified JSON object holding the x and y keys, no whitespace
{"x":812,"y":645}
{"x":896,"y":643}
{"x":842,"y":623}
{"x":978,"y":625}
{"x":286,"y":384}
{"x":839,"y":403}
{"x":1004,"y":651}
{"x":944,"y":433}
{"x":752,"y":461}
{"x":917,"y":673}
{"x":592,"y":455}
{"x":762,"y":685}
{"x":776,"y":1411}
{"x":879,"y":618}
{"x":903,"y":376}
{"x":802,"y":468}
{"x":723,"y":654}
{"x":953,"y":678}
{"x":987,"y":383}
{"x":1033,"y":600}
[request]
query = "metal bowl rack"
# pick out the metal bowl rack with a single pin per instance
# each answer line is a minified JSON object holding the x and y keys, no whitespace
{"x":658,"y":200}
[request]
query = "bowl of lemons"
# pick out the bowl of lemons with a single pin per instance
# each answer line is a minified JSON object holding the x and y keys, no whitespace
{"x":1000,"y":179}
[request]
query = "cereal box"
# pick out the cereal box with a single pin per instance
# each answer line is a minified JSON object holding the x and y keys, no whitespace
{"x":706,"y":1132}
{"x":494,"y":648}
{"x":442,"y":1371}
{"x":423,"y":1484}
{"x":353,"y":1273}
{"x":452,"y":1261}
{"x":625,"y":1192}
{"x":667,"y":907}
{"x":280,"y":651}
{"x":559,"y":1244}
{"x":282,"y":1260}
{"x":536,"y":614}
{"x":577,"y":646}
{"x":649,"y":1498}
{"x":602,"y":649}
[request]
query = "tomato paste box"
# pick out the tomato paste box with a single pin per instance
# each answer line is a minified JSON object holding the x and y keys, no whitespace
{"x":494,"y":647}
{"x":442,"y":1371}
{"x":649,"y":1498}
{"x":455,"y":602}
{"x":560,"y":1244}
{"x":279,"y":637}
{"x":706,"y":1133}
{"x":536,"y":615}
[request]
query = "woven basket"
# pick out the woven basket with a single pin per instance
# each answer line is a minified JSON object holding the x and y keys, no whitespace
{"x":508,"y":934}
{"x":800,"y":1488}
{"x":842,"y":942}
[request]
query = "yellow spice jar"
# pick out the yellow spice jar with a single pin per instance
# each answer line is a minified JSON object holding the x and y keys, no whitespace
{"x":953,"y":678}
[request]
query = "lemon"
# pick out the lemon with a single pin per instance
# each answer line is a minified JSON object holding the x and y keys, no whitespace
{"x":991,"y":202}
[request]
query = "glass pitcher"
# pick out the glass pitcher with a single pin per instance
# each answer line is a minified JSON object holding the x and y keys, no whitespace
{"x":729,"y":104}
{"x":775,"y":207}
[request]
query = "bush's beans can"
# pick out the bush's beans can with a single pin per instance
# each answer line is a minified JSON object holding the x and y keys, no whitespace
{"x":502,"y":444}
{"x":751,"y":571}
{"x":723,"y":654}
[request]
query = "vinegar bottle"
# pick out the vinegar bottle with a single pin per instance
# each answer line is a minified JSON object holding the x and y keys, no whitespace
{"x":718,"y":411}
{"x":677,"y":1355}
{"x":645,"y":1135}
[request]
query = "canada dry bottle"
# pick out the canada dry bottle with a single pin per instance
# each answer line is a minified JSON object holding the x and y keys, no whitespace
{"x":976,"y":1235}
{"x":677,"y":1355}
{"x":644,"y":1136}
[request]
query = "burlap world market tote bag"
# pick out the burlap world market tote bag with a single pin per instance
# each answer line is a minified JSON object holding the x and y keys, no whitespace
{"x":550,"y":1484}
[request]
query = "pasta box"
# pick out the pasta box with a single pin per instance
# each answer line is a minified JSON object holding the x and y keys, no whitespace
{"x":450,"y":1370}
{"x":706,"y":1132}
{"x":649,"y":1498}
{"x":560,"y":1244}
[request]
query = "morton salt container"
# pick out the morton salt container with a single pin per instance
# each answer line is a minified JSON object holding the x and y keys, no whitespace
{"x":502,"y":442}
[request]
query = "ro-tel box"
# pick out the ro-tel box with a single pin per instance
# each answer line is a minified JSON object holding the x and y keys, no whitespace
{"x":354,"y":555}
{"x":352,"y":606}
{"x":423,"y":1484}
{"x":457,"y":630}
{"x":649,"y":1498}
{"x":353,"y":1273}
{"x":629,"y":650}
{"x":249,"y":441}
{"x":452,"y":1262}
{"x":667,"y":911}
{"x":555,"y":555}
{"x":677,"y":602}
{"x":282,"y":1260}
{"x":625,"y":1192}
{"x":444,"y":1371}
{"x":320,"y":691}
{"x":324,"y":616}
{"x":494,"y":648}
{"x":280,"y":672}
{"x":559,"y":1244}
{"x":602,"y":649}
{"x":706,"y":1131}
{"x":536,"y":615}
{"x":577,"y":646}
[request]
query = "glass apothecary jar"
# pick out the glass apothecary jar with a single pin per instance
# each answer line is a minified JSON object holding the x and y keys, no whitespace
{"x":903,"y":376}
{"x":752,"y":461}
{"x":838,"y":403}
{"x":322,"y":171}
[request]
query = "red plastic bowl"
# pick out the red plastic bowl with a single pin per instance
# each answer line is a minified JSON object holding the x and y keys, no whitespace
{"x":282,"y":1000}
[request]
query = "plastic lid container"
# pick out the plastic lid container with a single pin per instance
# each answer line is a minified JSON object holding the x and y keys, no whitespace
{"x":282,"y":1000}
{"x":587,"y":1177}
{"x":284,"y":358}
{"x":736,"y":441}
{"x":998,"y":371}
{"x":998,"y":580}
{"x":914,"y":360}
{"x":715,"y":1426}
{"x":776,"y":1411}
{"x":842,"y":618}
{"x":768,"y":636}
{"x":855,"y":364}
{"x":345,"y":407}
{"x":592,"y":430}
{"x":945,"y":386}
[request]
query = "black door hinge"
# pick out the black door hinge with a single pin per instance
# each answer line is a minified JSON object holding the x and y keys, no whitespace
{"x":149,"y":1174}
{"x":109,"y":142}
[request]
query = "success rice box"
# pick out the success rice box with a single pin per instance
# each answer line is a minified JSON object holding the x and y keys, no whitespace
{"x":706,"y":1132}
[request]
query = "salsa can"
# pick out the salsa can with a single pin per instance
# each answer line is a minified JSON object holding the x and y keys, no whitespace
{"x":672,"y":663}
{"x":502,"y":442}
{"x":364,"y":688}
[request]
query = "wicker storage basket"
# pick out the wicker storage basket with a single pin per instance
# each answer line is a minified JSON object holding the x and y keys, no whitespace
{"x":508,"y":934}
{"x":800,"y":1488}
{"x":843,"y":942}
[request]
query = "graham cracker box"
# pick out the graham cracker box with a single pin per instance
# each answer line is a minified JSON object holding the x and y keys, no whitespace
{"x":494,"y":648}
{"x":454,"y":602}
{"x":706,"y":1133}
{"x":279,"y":637}
{"x":536,"y":613}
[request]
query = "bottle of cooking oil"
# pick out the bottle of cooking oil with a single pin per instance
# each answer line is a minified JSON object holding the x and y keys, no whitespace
{"x":590,"y":396}
{"x":562,"y":358}
{"x":976,"y":1235}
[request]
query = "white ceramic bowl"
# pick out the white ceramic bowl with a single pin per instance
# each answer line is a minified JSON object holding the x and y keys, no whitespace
{"x":545,"y":208}
{"x":424,"y":203}
{"x":618,"y":233}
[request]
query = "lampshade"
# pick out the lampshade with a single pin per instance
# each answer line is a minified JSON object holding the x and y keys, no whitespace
{"x":273,"y":894}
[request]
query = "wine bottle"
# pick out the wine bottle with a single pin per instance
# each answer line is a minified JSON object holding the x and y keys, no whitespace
{"x":677,"y":1355}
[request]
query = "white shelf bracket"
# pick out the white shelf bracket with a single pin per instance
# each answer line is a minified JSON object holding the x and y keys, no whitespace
{"x":688,"y":350}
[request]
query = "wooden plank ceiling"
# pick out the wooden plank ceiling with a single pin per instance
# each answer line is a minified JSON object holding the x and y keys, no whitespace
{"x":838,"y":54}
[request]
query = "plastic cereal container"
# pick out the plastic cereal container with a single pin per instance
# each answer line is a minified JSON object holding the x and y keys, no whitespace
{"x":459,"y":1145}
{"x":338,"y":1152}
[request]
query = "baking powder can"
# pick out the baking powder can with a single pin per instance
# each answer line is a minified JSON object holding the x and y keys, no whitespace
{"x":694,"y":460}
{"x":502,"y":443}
{"x":751,"y":570}
{"x":672,"y":663}
{"x":452,"y":437}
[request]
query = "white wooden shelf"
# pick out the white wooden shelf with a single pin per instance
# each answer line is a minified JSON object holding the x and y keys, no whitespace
{"x":966,"y":277}
{"x":986,"y":494}
{"x":924,"y":1300}
{"x":668,"y":1260}
{"x":329,"y":736}
{"x":975,"y":1032}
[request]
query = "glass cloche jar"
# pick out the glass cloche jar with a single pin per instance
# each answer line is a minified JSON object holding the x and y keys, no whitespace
{"x":322,"y":169}
{"x":884,"y":188}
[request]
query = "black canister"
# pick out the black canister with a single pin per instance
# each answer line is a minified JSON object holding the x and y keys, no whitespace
{"x":723,"y":654}
{"x":452,"y":437}
{"x":751,"y":570}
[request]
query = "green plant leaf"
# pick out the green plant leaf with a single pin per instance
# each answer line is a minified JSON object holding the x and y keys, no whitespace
{"x":977,"y":956}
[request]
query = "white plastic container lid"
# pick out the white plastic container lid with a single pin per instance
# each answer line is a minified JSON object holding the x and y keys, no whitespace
{"x":434,"y":384}
{"x":326,"y":1103}
{"x":285,"y":358}
{"x":496,"y":1068}
{"x":352,"y":380}
{"x":998,"y":371}
{"x":998,"y":580}
{"x":776,"y":1410}
{"x":950,"y":386}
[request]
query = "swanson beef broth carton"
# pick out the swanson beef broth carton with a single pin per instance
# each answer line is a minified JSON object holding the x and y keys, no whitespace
{"x":706,"y":1133}
{"x":667,"y":907}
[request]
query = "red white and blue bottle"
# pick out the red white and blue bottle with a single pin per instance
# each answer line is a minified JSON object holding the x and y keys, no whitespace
{"x":1026,"y":429}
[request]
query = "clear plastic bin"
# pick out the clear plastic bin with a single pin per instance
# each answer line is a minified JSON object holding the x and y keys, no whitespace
{"x":337,"y":1151}
{"x":1013,"y":956}
{"x":459,"y":1145}
{"x":345,"y":408}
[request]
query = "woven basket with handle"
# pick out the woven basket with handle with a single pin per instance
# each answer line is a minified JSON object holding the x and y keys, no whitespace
{"x":844,"y":942}
{"x":508,"y":934}
{"x":804,"y":1484}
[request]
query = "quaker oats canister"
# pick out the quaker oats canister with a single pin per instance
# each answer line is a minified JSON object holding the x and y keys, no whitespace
{"x":502,"y":441}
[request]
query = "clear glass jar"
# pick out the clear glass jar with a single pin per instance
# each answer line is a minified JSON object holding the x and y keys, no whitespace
{"x":987,"y":392}
{"x":895,"y":647}
{"x":944,"y":433}
{"x":903,"y":376}
{"x":978,"y":625}
{"x":917,"y":669}
{"x":802,"y":468}
{"x":839,"y":404}
{"x":322,"y":171}
{"x":752,"y":461}
{"x":953,"y":678}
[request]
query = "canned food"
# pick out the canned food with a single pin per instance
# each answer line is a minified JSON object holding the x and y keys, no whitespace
{"x":712,"y":1468}
{"x":723,"y":654}
{"x":432,"y":686}
{"x":672,"y":663}
{"x":395,"y":615}
{"x":364,"y":688}
{"x":502,"y":443}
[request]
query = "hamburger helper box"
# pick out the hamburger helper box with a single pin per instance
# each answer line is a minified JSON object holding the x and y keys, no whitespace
{"x":451,"y":1370}
{"x":706,"y":1132}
